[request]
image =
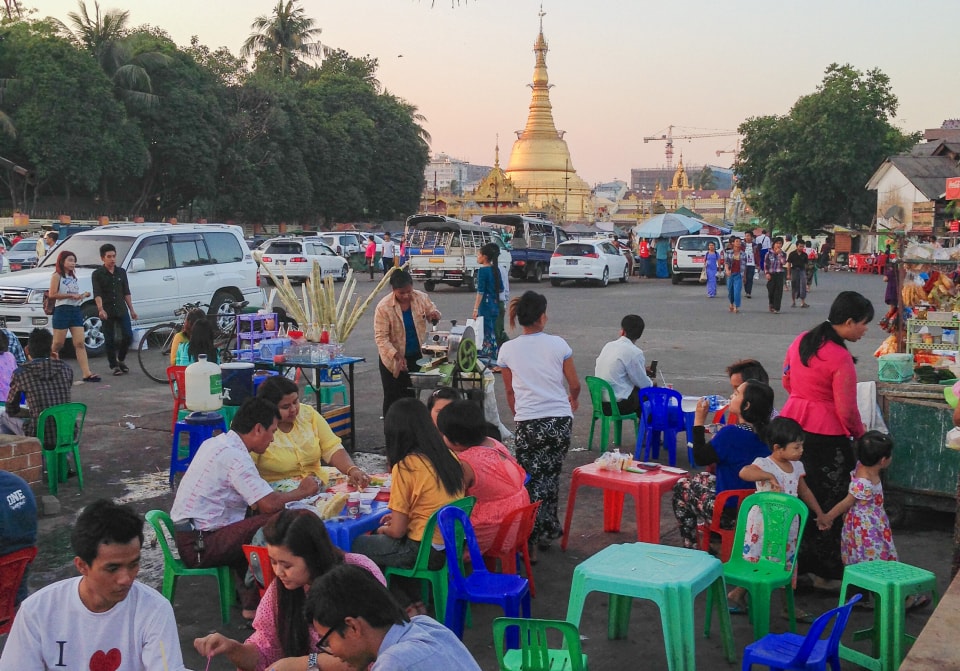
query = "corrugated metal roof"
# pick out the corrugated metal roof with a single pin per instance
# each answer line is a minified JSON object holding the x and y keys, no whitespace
{"x":927,"y":173}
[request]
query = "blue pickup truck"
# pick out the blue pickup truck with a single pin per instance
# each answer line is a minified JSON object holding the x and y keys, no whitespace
{"x":533,"y":240}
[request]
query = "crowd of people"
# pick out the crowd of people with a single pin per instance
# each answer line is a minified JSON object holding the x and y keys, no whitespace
{"x":330,"y":609}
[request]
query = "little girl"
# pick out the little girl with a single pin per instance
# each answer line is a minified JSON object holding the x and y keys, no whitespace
{"x":866,"y":528}
{"x":782,"y":472}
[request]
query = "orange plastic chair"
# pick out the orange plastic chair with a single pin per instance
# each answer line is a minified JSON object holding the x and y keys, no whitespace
{"x":509,"y":554}
{"x":259,"y":561}
{"x":726,"y":535}
{"x":176,"y":376}
{"x":12,"y":568}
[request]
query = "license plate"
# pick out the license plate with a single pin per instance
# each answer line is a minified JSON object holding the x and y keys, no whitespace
{"x":571,"y":262}
{"x":280,"y":262}
{"x":698,"y":259}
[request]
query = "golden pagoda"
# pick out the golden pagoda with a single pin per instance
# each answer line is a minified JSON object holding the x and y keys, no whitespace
{"x":540,"y":165}
{"x":496,"y":191}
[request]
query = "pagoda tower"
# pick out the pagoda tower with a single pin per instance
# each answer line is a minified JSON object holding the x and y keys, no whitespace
{"x":540,"y":165}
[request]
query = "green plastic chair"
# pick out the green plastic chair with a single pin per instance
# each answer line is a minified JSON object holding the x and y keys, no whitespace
{"x":892,"y":582}
{"x":534,"y":653}
{"x":436,"y":579}
{"x":771,"y":571}
{"x":599,"y":390}
{"x":68,"y":422}
{"x":173,"y":567}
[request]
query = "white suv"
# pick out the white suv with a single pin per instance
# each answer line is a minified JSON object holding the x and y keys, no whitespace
{"x":344,"y":243}
{"x":295,"y":258}
{"x":689,"y":255}
{"x":167,"y":266}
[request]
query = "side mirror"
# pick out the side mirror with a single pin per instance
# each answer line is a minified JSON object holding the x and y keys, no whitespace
{"x":137,"y":265}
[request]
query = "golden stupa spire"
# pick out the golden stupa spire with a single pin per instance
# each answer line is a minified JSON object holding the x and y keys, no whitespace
{"x":540,"y":122}
{"x":496,"y":153}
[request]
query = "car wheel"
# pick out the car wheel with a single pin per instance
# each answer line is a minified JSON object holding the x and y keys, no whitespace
{"x":222,"y":311}
{"x":626,"y":274}
{"x":605,"y":279}
{"x":470,"y":283}
{"x":676,"y":278}
{"x":556,"y":282}
{"x":343,"y":273}
{"x":93,"y":339}
{"x":537,"y":274}
{"x":429,"y":285}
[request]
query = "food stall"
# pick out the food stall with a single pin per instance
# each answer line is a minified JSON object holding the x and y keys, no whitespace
{"x":917,"y":362}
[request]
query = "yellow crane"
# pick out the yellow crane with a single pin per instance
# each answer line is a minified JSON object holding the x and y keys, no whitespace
{"x":669,"y":137}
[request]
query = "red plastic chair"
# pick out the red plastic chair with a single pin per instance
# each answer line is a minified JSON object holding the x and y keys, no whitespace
{"x":726,"y":535}
{"x":259,"y":562}
{"x":176,"y":376}
{"x":509,"y":554}
{"x":12,"y":568}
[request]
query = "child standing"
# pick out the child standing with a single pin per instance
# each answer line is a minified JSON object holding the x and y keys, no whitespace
{"x":782,"y":472}
{"x":866,"y":527}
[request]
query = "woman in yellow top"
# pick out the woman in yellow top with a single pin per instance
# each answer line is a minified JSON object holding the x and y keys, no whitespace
{"x":426,"y":476}
{"x":302,"y":440}
{"x":183,"y":336}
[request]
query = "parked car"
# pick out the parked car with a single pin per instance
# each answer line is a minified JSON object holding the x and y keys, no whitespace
{"x":22,"y":255}
{"x":592,"y":260}
{"x":294,"y":257}
{"x":167,"y":266}
{"x":689,"y":255}
{"x":343,"y":243}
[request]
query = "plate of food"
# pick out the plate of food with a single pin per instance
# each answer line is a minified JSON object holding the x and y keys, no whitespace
{"x":649,"y":465}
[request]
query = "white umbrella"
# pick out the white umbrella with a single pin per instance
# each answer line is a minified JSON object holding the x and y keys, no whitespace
{"x":669,"y":225}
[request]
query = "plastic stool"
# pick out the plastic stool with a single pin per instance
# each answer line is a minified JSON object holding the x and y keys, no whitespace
{"x":328,"y":390}
{"x":199,"y":426}
{"x":892,"y":582}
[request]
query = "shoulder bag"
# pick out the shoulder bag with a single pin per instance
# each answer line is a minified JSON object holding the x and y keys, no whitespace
{"x":48,"y":303}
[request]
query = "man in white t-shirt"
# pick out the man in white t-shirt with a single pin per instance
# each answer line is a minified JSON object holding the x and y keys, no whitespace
{"x":765,"y":243}
{"x":210,"y":510}
{"x":105,"y":619}
{"x":622,"y":364}
{"x":387,"y":256}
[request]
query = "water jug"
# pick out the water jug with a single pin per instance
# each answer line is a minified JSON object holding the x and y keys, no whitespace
{"x":203,"y":385}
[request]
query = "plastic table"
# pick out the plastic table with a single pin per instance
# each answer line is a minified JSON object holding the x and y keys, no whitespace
{"x":344,"y":530}
{"x":669,"y":576}
{"x":344,"y":363}
{"x":647,"y":489}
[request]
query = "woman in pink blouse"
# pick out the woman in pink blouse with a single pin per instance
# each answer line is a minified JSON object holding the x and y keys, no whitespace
{"x":283,"y":640}
{"x":490,"y":471}
{"x":820,"y":375}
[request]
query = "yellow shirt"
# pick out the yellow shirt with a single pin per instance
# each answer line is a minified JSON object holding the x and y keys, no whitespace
{"x":418,"y":493}
{"x":297,"y":453}
{"x":178,"y":340}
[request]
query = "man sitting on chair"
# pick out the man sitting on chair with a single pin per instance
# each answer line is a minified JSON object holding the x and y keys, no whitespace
{"x":44,"y":381}
{"x":621,"y":363}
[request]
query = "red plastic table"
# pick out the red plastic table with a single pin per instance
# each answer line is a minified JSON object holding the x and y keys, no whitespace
{"x":647,"y":489}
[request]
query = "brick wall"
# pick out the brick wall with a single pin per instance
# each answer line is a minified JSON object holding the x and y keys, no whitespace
{"x":23,"y":456}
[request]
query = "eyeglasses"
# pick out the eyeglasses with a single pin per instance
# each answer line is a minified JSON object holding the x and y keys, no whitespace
{"x":322,"y":643}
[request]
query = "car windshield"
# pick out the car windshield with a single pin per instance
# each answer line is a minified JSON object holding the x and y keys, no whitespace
{"x":283,"y":247}
{"x":87,"y":249}
{"x":25,"y":245}
{"x":695,"y":244}
{"x":575,"y":249}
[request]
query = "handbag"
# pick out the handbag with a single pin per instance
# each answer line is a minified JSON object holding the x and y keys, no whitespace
{"x":703,"y":274}
{"x":48,"y":303}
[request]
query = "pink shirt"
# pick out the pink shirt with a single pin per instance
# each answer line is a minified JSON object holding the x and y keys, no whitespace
{"x":7,"y":365}
{"x":823,"y":395}
{"x":265,"y":637}
{"x":498,"y":486}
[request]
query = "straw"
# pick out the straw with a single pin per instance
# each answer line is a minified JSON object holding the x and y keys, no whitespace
{"x":163,"y":655}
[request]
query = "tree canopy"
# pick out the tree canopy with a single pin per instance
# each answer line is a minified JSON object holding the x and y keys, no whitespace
{"x":807,"y":169}
{"x":119,"y":121}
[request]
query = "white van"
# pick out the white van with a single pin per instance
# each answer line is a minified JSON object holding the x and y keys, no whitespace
{"x":167,"y":265}
{"x":444,"y":249}
{"x":689,"y":254}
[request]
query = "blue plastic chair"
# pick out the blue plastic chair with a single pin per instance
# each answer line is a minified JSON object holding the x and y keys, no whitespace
{"x":661,"y":412}
{"x":804,"y":653}
{"x":511,"y":592}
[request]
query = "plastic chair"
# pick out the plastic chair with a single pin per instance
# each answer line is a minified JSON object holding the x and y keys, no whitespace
{"x":68,"y":426}
{"x":259,"y":561}
{"x":510,"y":592}
{"x":803,"y":653}
{"x":892,"y":582}
{"x":662,"y":412}
{"x":600,"y":390}
{"x":12,"y":568}
{"x":327,"y":391}
{"x":509,"y":553}
{"x":771,"y":571}
{"x":726,"y":535}
{"x":199,"y":426}
{"x":436,"y":579}
{"x":176,"y":377}
{"x":534,"y":653}
{"x":173,"y":567}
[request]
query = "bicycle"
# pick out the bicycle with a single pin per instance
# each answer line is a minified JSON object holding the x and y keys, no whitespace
{"x":153,"y":352}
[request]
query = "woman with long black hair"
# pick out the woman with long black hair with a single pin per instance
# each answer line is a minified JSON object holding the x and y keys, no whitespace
{"x":820,"y":375}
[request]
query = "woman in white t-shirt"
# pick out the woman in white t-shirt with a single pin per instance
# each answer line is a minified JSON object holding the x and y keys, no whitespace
{"x":65,"y":289}
{"x":535,"y":366}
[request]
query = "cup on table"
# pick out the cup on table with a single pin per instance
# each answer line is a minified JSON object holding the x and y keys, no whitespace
{"x":278,"y":358}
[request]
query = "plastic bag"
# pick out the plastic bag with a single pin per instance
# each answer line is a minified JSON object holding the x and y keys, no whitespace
{"x":953,"y":439}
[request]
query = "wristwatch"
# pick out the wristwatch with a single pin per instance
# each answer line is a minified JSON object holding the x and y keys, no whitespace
{"x":312,"y":661}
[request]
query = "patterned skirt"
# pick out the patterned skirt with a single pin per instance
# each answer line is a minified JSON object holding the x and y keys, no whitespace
{"x":541,"y":447}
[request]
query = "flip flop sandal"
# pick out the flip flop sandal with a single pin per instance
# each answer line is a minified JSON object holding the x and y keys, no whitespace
{"x":92,"y":378}
{"x":123,"y":367}
{"x":117,"y":371}
{"x":917,"y":601}
{"x":736,"y":608}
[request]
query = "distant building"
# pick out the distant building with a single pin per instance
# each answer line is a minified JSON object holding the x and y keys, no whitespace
{"x":444,"y":171}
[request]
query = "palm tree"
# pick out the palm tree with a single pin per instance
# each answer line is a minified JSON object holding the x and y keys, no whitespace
{"x":287,"y":35}
{"x":105,"y":36}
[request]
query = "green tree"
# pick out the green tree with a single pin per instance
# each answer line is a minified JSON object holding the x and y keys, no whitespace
{"x":284,"y":38}
{"x":705,"y":180}
{"x":807,"y":169}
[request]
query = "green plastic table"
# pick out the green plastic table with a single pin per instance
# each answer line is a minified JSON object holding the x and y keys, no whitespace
{"x":669,"y":576}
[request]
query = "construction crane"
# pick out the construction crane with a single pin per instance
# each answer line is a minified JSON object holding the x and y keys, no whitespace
{"x":669,"y":137}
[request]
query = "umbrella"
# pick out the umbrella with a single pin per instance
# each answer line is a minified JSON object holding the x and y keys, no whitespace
{"x":669,"y":225}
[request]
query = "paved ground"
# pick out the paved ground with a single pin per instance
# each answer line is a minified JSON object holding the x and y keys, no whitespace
{"x":126,"y":452}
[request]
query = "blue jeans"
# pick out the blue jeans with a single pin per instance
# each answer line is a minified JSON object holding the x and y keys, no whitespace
{"x":117,"y":336}
{"x":734,"y":285}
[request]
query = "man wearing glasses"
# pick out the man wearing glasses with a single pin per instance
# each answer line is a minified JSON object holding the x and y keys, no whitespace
{"x":360,"y":623}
